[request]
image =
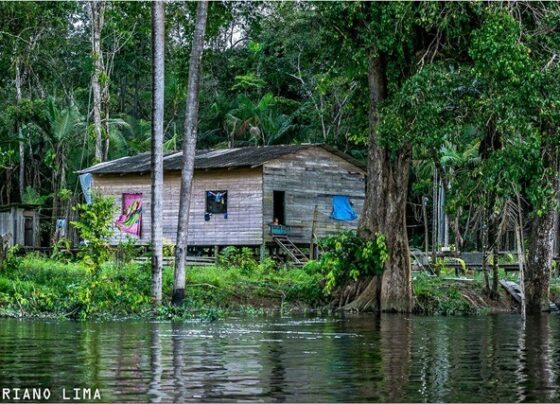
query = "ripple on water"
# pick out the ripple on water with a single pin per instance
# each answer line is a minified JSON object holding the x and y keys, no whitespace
{"x":358,"y":358}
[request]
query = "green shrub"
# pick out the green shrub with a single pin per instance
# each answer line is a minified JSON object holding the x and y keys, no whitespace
{"x":62,"y":250}
{"x":95,"y":227}
{"x":168,"y":248}
{"x":435,"y":296}
{"x":126,"y":251}
{"x":8,"y":257}
{"x":347,"y":256}
{"x":267,"y":265}
{"x":32,"y":197}
{"x":242,"y":258}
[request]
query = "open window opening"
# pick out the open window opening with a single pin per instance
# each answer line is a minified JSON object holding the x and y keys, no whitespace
{"x":216,"y":202}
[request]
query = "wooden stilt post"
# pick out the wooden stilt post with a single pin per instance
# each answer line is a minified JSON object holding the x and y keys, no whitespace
{"x":262,"y":251}
{"x":312,"y":238}
{"x":426,"y":230}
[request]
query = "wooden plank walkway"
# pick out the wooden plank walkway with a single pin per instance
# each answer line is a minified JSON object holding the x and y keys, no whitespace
{"x":478,"y":267}
{"x":515,"y":291}
{"x":191,"y":261}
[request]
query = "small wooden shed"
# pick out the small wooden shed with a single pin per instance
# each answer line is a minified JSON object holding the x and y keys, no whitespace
{"x":19,"y":224}
{"x":238,"y":193}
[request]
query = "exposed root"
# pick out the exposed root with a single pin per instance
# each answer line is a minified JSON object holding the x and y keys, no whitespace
{"x":361,"y":295}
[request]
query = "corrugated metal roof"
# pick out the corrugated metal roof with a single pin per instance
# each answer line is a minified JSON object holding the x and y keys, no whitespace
{"x":210,"y":159}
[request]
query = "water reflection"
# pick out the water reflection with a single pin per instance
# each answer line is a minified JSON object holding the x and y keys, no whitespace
{"x":276,"y":377}
{"x":356,"y":358}
{"x":396,"y":345}
{"x":154,"y":388}
{"x":541,"y":382}
{"x":179,"y":382}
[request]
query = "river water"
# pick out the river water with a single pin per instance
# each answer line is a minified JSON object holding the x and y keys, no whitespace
{"x":362,"y":358}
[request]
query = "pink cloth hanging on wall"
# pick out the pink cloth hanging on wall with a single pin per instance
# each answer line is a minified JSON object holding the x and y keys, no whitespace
{"x":130,"y":221}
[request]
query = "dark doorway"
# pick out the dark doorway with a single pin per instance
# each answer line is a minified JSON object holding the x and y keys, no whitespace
{"x":28,"y":236}
{"x":278,"y":206}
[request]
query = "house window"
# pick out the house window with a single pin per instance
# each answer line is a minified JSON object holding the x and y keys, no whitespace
{"x":216,"y":202}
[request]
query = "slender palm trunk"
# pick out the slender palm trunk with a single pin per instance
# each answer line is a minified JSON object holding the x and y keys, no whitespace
{"x":105,"y":101}
{"x":21,"y":141}
{"x":97,"y":11}
{"x":520,"y":254}
{"x":56,"y":186}
{"x":158,"y":63}
{"x":485,"y":250}
{"x":189,"y":150}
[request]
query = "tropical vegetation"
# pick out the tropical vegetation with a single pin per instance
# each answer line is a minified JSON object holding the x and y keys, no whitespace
{"x":454,"y":98}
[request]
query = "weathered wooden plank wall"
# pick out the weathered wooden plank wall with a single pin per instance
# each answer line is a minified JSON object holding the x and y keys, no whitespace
{"x":7,"y":224}
{"x":243,"y":225}
{"x":12,"y":222}
{"x":308,"y":178}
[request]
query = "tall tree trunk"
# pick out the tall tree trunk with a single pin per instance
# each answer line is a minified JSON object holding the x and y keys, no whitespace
{"x":541,"y":242}
{"x":158,"y":69}
{"x":58,"y":184}
{"x":56,"y":187}
{"x":189,"y":150}
{"x":426,"y":229}
{"x":21,"y":141}
{"x":105,"y":100}
{"x":495,"y":275}
{"x":97,"y":11}
{"x":459,"y":241}
{"x":485,"y":250}
{"x":435,"y":215}
{"x":539,"y":262}
{"x":385,"y":207}
{"x":520,"y":257}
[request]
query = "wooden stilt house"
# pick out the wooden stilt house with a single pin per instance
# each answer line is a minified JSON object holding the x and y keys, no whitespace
{"x":250,"y":196}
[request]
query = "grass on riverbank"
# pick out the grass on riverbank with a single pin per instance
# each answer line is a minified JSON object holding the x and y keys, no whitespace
{"x":438,"y":295}
{"x":35,"y":286}
{"x":448,"y":296}
{"x":38,"y":286}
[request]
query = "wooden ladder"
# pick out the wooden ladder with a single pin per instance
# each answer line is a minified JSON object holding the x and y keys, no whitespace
{"x":297,"y":256}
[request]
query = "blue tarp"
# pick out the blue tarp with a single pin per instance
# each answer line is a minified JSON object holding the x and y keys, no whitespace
{"x":342,"y":209}
{"x":85,"y":182}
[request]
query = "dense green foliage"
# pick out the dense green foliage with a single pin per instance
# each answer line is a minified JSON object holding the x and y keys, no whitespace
{"x":471,"y":95}
{"x":486,"y":119}
{"x":34,"y":286}
{"x":473,"y":87}
{"x":95,"y":227}
{"x":347,"y":256}
{"x":37,"y":286}
{"x":435,"y":296}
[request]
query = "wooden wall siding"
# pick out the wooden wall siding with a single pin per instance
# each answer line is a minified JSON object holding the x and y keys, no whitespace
{"x":7,"y":225}
{"x":18,"y":215}
{"x":308,"y":178}
{"x":242,"y":227}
